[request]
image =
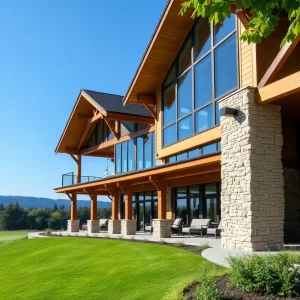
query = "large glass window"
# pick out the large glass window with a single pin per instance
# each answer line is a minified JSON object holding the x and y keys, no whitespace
{"x":204,"y":71}
{"x":130,"y":155}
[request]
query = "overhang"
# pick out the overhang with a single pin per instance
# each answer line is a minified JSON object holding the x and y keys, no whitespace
{"x":164,"y":45}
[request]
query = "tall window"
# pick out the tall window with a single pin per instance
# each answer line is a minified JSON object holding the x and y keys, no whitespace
{"x":204,"y":71}
{"x":135,"y":154}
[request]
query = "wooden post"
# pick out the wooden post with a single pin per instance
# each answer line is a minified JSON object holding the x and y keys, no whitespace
{"x":94,"y":206}
{"x":115,"y":204}
{"x":74,"y":207}
{"x":128,"y":205}
{"x":161,"y":194}
{"x":78,"y":169}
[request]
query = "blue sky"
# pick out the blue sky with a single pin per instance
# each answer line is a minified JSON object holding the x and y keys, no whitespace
{"x":49,"y":51}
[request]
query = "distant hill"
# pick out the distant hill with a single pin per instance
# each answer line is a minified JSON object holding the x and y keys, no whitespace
{"x":34,"y":202}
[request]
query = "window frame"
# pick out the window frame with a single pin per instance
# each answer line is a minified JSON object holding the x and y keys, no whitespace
{"x":213,"y":47}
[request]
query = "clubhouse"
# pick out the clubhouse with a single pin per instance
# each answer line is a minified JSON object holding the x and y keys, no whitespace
{"x":208,"y":129}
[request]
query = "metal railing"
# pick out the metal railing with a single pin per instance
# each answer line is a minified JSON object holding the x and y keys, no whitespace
{"x":71,"y":179}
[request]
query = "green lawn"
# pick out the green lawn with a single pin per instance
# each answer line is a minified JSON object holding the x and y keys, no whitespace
{"x":81,"y":268}
{"x":9,"y":236}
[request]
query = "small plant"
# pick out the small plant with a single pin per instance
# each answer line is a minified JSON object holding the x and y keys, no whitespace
{"x":208,"y":290}
{"x":268,"y":274}
{"x":203,"y":247}
{"x":48,"y":232}
{"x":162,"y":242}
{"x":178,"y":244}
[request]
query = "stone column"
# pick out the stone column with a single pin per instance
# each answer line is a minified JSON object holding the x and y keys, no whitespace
{"x":252,"y":198}
{"x":114,"y":225}
{"x":161,"y":228}
{"x":73,"y":224}
{"x":128,"y":226}
{"x":93,"y":223}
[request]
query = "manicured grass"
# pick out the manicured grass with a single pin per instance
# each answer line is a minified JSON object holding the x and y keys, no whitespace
{"x":82,"y":268}
{"x":9,"y":236}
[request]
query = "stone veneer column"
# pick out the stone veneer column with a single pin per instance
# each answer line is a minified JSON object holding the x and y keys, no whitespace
{"x":93,"y":226}
{"x":128,"y":227}
{"x":161,"y":228}
{"x":73,"y":225}
{"x":252,"y":198}
{"x":114,"y":226}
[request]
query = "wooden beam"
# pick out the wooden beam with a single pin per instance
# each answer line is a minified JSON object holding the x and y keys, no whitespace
{"x":108,"y":188}
{"x":123,"y":190}
{"x":128,"y":205}
{"x":73,"y":215}
{"x":161,"y":201}
{"x":93,"y":206}
{"x":151,"y":110}
{"x":78,"y":169}
{"x":130,"y":118}
{"x":74,"y":158}
{"x":155,"y":182}
{"x":112,"y":129}
{"x":95,"y":118}
{"x":278,"y":62}
{"x":279,"y":89}
{"x":69,"y":196}
{"x":115,"y":205}
{"x":90,"y":125}
{"x":147,"y":98}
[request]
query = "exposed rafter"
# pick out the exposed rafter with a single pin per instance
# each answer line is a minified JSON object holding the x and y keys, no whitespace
{"x":69,"y":196}
{"x":123,"y":190}
{"x":155,"y":182}
{"x":112,"y":129}
{"x":108,"y":188}
{"x":146,"y":100}
{"x":130,"y":118}
{"x":278,"y":62}
{"x":74,"y":158}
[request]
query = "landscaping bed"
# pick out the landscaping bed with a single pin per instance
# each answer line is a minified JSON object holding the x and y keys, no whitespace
{"x":230,"y":292}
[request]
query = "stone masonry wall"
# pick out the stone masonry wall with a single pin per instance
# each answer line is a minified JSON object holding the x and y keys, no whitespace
{"x":252,"y":198}
{"x":128,"y":227}
{"x":292,"y":203}
{"x":161,"y":228}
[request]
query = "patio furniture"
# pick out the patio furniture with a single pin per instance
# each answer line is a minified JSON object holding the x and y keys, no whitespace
{"x":84,"y":227}
{"x":148,"y":228}
{"x":198,"y":226}
{"x":177,"y":226}
{"x":214,"y":231}
{"x":103,"y":224}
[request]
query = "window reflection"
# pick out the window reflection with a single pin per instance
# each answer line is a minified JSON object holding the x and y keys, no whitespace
{"x":204,"y":119}
{"x":169,"y":135}
{"x":185,"y":94}
{"x":185,"y":128}
{"x":130,"y":155}
{"x":185,"y":59}
{"x":202,"y":38}
{"x":222,"y":30}
{"x":169,"y":105}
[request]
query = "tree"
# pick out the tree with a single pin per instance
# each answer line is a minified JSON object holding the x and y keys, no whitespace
{"x":13,"y":218}
{"x":263,"y":15}
{"x":55,"y":207}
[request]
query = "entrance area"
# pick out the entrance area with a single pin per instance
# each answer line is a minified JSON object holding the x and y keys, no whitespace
{"x":197,"y":202}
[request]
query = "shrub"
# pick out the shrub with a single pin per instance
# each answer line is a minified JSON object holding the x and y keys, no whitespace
{"x":178,"y":244}
{"x":208,"y":290}
{"x":48,"y":231}
{"x":269,"y":274}
{"x":203,"y":247}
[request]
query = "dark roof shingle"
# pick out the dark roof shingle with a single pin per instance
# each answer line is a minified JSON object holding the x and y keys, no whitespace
{"x":114,"y":103}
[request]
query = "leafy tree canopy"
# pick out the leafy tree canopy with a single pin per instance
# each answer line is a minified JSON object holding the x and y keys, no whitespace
{"x":263,"y":15}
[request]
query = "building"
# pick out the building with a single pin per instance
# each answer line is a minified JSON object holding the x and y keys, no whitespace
{"x":175,"y":156}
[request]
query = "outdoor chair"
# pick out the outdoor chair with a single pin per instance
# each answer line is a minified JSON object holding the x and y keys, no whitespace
{"x":148,"y":228}
{"x":214,"y":231}
{"x":84,"y":227}
{"x":198,"y":226}
{"x":177,"y":226}
{"x":103,"y":224}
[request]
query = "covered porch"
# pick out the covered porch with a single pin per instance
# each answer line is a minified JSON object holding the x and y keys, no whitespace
{"x":122,"y":189}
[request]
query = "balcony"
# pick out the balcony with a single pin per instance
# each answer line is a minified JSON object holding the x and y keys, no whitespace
{"x":71,"y":179}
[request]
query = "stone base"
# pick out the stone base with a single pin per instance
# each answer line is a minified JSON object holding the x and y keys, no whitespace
{"x":93,"y":226}
{"x":114,"y":226}
{"x":161,"y":228}
{"x":128,"y":227}
{"x":73,"y":225}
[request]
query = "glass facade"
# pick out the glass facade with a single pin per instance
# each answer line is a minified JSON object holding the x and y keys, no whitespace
{"x":135,"y":154}
{"x":198,"y":152}
{"x":204,"y":71}
{"x":197,"y":201}
{"x":144,"y":208}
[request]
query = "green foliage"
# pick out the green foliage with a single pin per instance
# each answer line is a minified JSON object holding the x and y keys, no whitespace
{"x":208,"y":290}
{"x":203,"y":247}
{"x":270,"y":274}
{"x":264,"y":15}
{"x":179,"y":244}
{"x":48,"y":231}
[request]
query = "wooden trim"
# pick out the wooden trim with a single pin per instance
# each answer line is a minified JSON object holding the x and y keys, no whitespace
{"x":94,"y":103}
{"x":131,"y":118}
{"x":161,"y":201}
{"x":162,"y":171}
{"x":73,"y":215}
{"x":242,"y":17}
{"x":278,"y":62}
{"x":74,"y":158}
{"x":115,"y":205}
{"x":279,"y":89}
{"x":93,"y":206}
{"x":115,"y":141}
{"x":78,"y":169}
{"x":155,"y":182}
{"x":69,"y":196}
{"x":112,"y":129}
{"x":150,"y":110}
{"x":128,"y":205}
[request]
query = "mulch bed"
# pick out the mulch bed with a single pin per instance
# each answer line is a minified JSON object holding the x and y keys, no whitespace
{"x":231,"y":293}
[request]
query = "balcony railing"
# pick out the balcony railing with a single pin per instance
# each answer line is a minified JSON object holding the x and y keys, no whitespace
{"x":71,"y":179}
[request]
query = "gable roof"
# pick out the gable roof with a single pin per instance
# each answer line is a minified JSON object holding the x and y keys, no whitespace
{"x":114,"y":103}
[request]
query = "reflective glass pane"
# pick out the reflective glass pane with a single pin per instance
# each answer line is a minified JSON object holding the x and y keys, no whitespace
{"x":172,"y":159}
{"x":169,"y":114}
{"x":219,"y":146}
{"x":204,"y":119}
{"x":139,"y":152}
{"x":194,"y":153}
{"x":222,"y":30}
{"x":148,"y":196}
{"x":203,"y":82}
{"x":147,"y":151}
{"x":181,"y":192}
{"x":153,"y":149}
{"x":202,"y":38}
{"x":169,"y":135}
{"x":212,"y":148}
{"x":217,"y":113}
{"x":182,"y":156}
{"x":148,"y":214}
{"x":124,"y":157}
{"x":185,"y":58}
{"x":118,"y":158}
{"x":194,"y":190}
{"x":155,"y":213}
{"x":210,"y":189}
{"x":211,"y":209}
{"x":181,"y":210}
{"x":185,"y":128}
{"x":171,"y":76}
{"x":110,"y":134}
{"x":130,"y":155}
{"x":184,"y":94}
{"x":194,"y":208}
{"x":226,"y":67}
